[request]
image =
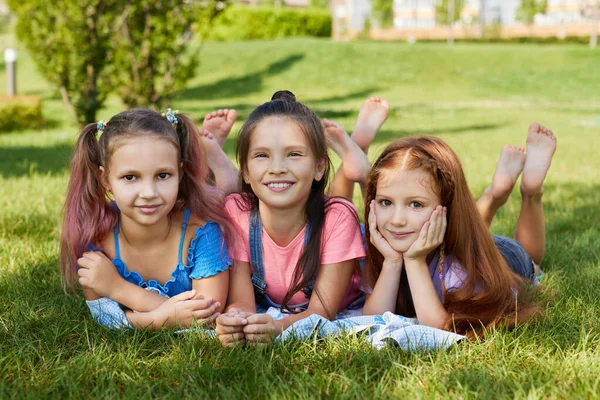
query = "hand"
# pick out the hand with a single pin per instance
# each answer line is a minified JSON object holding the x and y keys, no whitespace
{"x":431,"y":236}
{"x":379,"y":241}
{"x":261,"y":330}
{"x":184,"y":310}
{"x":98,"y":273}
{"x":230,"y":327}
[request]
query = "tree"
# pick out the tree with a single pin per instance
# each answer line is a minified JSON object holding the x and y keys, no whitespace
{"x":152,"y":56}
{"x":529,"y":8}
{"x":383,"y":12}
{"x":448,"y":11}
{"x":70,"y":42}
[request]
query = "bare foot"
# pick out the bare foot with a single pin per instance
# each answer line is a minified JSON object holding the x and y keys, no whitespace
{"x":541,"y":145}
{"x":355,"y":164}
{"x":219,"y":123}
{"x":225,"y":173}
{"x":509,"y":167}
{"x":371,"y":116}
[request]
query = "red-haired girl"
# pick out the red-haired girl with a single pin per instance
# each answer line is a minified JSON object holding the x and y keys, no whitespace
{"x":430,"y":254}
{"x":142,"y":232}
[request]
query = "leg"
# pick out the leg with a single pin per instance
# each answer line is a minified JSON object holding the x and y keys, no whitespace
{"x":225,"y":174}
{"x":219,"y":123}
{"x":355,"y":165}
{"x":531,"y":227}
{"x":371,"y":116}
{"x":509,"y":167}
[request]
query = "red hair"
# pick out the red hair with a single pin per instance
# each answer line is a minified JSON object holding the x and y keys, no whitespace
{"x":487,"y":297}
{"x":89,"y":216}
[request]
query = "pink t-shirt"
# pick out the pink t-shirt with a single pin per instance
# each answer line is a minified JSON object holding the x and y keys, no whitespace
{"x":341,"y":241}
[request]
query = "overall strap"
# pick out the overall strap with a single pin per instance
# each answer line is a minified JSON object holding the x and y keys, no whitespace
{"x":256,"y":252}
{"x":186,"y":217}
{"x":308,"y":289}
{"x":116,"y":236}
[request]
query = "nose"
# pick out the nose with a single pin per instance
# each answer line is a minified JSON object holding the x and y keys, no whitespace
{"x":277,"y":165}
{"x":399,"y":216}
{"x":148,"y":190}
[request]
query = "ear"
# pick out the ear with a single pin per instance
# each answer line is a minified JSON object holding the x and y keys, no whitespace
{"x":320,"y":170}
{"x":102,"y":178}
{"x":180,"y":171}
{"x":245,"y":176}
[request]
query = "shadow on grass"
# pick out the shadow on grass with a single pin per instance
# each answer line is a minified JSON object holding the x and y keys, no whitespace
{"x":26,"y":160}
{"x":240,"y":86}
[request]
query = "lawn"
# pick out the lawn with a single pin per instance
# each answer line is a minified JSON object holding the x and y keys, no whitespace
{"x":477,"y":97}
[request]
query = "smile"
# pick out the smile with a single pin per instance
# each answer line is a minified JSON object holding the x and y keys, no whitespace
{"x":148,"y":209}
{"x":400,"y":235}
{"x":279,"y":186}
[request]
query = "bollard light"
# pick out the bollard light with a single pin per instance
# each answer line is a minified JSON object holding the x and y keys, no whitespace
{"x":10,"y":57}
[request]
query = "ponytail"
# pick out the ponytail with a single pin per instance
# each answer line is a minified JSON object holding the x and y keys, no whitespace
{"x":87,"y":215}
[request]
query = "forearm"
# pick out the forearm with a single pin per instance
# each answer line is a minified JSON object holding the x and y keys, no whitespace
{"x":246,"y":306}
{"x":136,"y":297}
{"x":428,"y":307}
{"x":385,"y":292}
{"x":144,"y":320}
{"x":284,"y":323}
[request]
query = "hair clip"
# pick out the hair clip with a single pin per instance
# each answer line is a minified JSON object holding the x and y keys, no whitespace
{"x":170,"y":116}
{"x":100,"y":126}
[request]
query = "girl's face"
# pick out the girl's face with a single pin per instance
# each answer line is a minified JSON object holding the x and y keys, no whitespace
{"x":143,"y":176}
{"x":404,"y":201}
{"x":281,"y":164}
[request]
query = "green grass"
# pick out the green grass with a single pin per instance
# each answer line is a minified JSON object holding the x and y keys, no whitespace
{"x":477,"y":97}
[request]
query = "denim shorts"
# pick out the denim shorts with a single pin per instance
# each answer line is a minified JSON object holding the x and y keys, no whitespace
{"x":515,"y":256}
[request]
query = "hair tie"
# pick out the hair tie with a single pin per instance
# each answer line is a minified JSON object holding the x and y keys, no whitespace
{"x":170,"y":116}
{"x":100,"y":126}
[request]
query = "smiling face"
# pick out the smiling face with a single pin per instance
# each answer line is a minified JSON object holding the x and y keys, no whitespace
{"x":281,"y":166}
{"x":143,"y":176}
{"x":404,"y":201}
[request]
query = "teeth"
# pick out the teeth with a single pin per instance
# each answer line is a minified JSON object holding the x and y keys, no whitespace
{"x":279,"y":185}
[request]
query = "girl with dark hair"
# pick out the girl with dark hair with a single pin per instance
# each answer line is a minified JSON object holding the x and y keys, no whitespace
{"x":430,"y":254}
{"x":143,"y":234}
{"x":300,"y":249}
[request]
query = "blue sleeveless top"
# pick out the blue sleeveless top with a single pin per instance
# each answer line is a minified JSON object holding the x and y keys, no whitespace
{"x":207,"y":256}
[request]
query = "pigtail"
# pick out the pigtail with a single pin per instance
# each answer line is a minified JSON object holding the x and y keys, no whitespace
{"x":87,"y":215}
{"x":194,"y":193}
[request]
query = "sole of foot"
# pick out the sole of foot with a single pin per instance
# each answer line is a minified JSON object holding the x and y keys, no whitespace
{"x":541,"y":145}
{"x":371,"y":117}
{"x":509,"y":167}
{"x":219,"y":123}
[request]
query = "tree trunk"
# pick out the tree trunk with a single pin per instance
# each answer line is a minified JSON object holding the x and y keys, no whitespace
{"x":594,"y":34}
{"x":450,"y":21}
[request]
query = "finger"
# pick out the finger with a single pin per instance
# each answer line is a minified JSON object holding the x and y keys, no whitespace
{"x":83,"y":272}
{"x":255,"y":329}
{"x":259,"y":319}
{"x":232,"y":340}
{"x":444,"y":225}
{"x":83,"y":281}
{"x":83,"y":262}
{"x":258,"y":339}
{"x":184,"y":295}
{"x":205,"y":312}
{"x":227,"y":320}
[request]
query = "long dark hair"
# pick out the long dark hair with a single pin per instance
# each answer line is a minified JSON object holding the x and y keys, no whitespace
{"x":284,"y":104}
{"x":88,"y":216}
{"x":486,"y":298}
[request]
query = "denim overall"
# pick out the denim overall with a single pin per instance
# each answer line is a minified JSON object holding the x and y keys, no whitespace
{"x":263,"y":302}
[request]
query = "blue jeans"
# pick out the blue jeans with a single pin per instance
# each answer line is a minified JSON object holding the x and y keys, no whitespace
{"x":515,"y":256}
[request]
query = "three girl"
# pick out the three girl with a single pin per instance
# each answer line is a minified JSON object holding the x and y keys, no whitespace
{"x":142,"y":230}
{"x":430,"y":254}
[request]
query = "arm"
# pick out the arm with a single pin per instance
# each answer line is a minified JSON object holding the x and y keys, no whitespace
{"x":240,"y":305}
{"x":215,"y":287}
{"x":330,"y":287}
{"x":385,"y":292}
{"x":99,"y":278}
{"x":430,"y":310}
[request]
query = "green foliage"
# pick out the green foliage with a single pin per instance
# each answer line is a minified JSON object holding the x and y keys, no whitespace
{"x":151,"y":59}
{"x":21,"y":113}
{"x":70,"y":43}
{"x":241,"y":22}
{"x":383,"y":12}
{"x":320,"y":4}
{"x":529,"y":8}
{"x":441,"y":11}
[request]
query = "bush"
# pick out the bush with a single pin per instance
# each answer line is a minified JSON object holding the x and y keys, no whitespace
{"x":23,"y":112}
{"x":242,"y":23}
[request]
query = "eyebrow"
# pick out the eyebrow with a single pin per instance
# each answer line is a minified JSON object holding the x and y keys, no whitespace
{"x":286,"y":148}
